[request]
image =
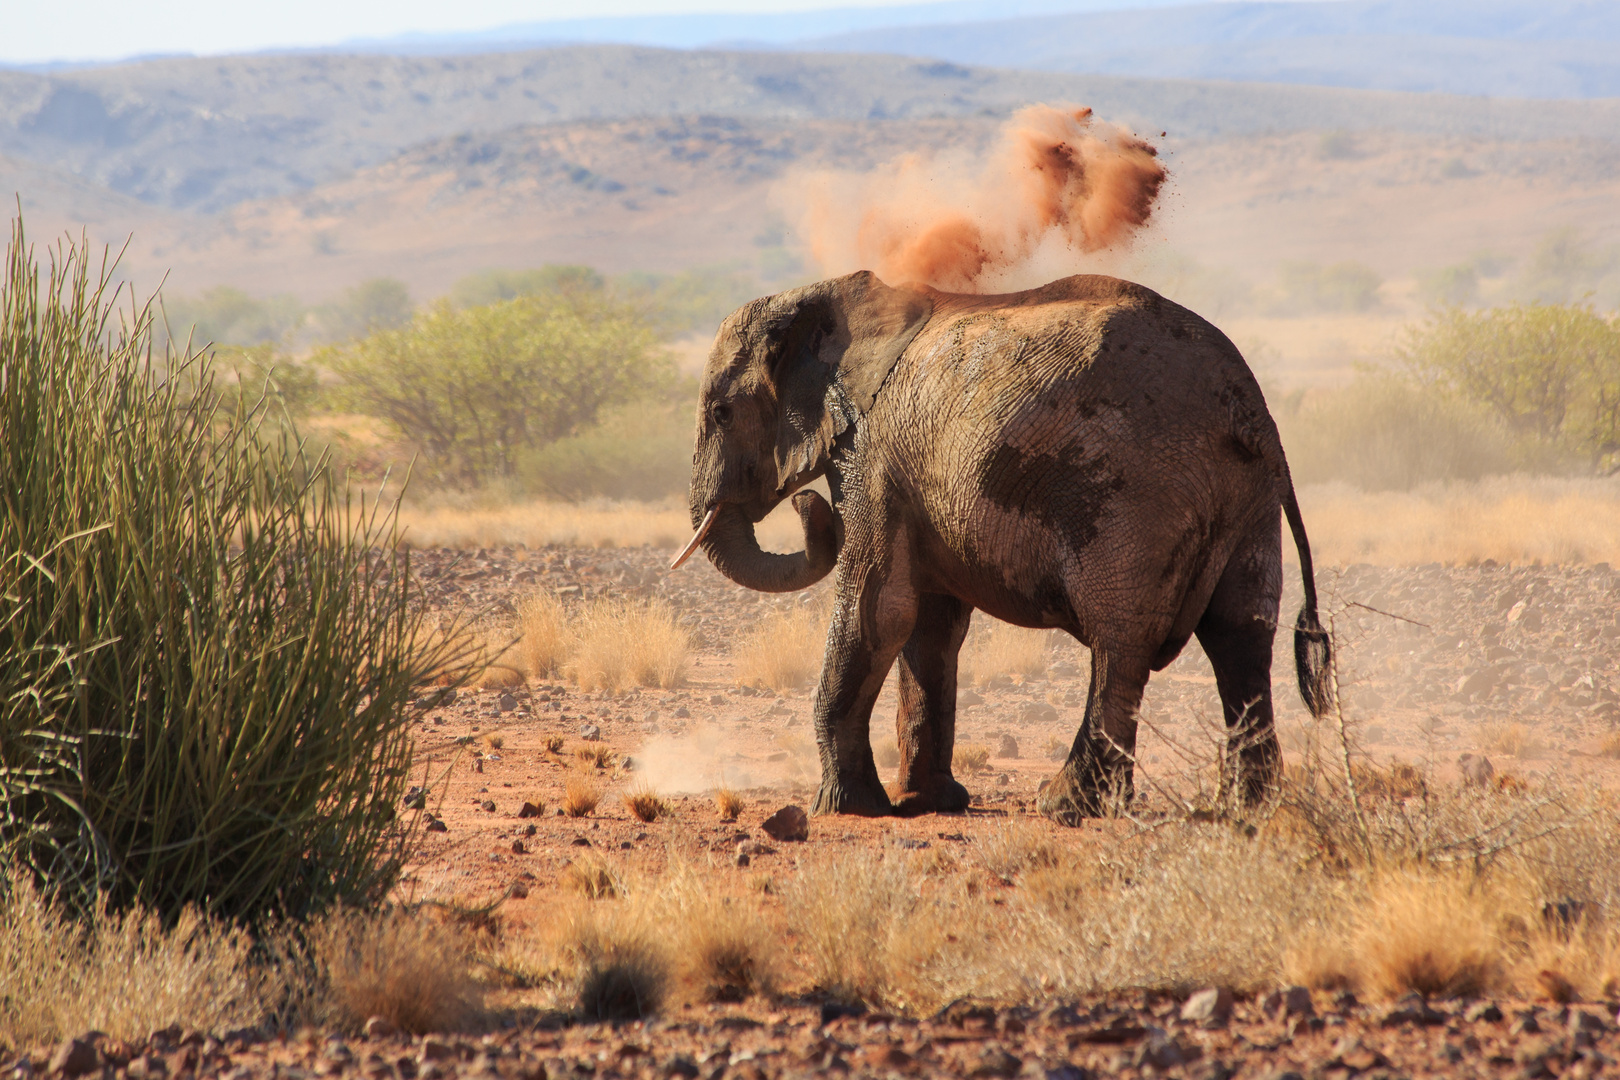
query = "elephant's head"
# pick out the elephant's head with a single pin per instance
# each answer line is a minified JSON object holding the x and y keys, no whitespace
{"x":789,"y":373}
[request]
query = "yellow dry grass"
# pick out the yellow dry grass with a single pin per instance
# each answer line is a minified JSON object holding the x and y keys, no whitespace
{"x":645,"y":804}
{"x":1511,"y":520}
{"x":406,"y":967}
{"x":996,"y":650}
{"x":784,"y":651}
{"x":594,"y":878}
{"x":619,"y":644}
{"x":1512,"y":739}
{"x":600,"y":523}
{"x":728,"y":804}
{"x":544,"y":634}
{"x":971,"y":758}
{"x":580,"y":796}
{"x":597,"y":755}
{"x":1435,"y":935}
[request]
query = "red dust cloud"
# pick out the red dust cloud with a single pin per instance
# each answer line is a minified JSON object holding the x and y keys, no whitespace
{"x":1062,"y":184}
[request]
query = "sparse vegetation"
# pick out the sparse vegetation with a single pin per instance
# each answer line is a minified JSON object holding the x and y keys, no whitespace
{"x":784,"y":650}
{"x":646,"y":805}
{"x":971,"y":758}
{"x":594,"y":878}
{"x":407,"y":967}
{"x":166,"y":743}
{"x":580,"y":796}
{"x":997,"y":650}
{"x":620,"y":644}
{"x":599,"y":755}
{"x":728,"y":803}
{"x":1513,"y":740}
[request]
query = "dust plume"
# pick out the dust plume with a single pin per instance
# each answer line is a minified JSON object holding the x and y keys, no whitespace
{"x":1060,"y":185}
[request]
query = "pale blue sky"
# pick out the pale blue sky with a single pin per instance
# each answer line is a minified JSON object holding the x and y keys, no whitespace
{"x":37,"y":31}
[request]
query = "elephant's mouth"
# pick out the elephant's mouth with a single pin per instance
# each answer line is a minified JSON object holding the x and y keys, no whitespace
{"x":697,"y":537}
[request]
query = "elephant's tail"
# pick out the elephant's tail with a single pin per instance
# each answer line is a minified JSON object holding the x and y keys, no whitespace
{"x":1313,"y":651}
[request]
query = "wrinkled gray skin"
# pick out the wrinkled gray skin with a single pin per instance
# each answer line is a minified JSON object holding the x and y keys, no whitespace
{"x":1087,"y":455}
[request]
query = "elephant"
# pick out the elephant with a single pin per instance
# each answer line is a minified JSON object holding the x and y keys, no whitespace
{"x":1087,"y":455}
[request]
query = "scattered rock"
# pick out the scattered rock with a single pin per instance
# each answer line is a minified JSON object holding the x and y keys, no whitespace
{"x":683,"y":713}
{"x":1350,"y":1053}
{"x":1483,"y":1011}
{"x":1477,"y":770}
{"x":743,"y":859}
{"x":74,"y":1057}
{"x":1210,"y":1008}
{"x":1411,"y":1009}
{"x":487,"y":806}
{"x":1007,"y":748}
{"x":788,"y":823}
{"x":995,"y":1061}
{"x":518,"y":848}
{"x":968,"y":698}
{"x":1038,"y":712}
{"x":436,"y":1049}
{"x":590,"y":733}
{"x":435,"y":825}
{"x":1292,"y":1001}
{"x":506,"y":703}
{"x":529,"y":810}
{"x":754,"y":847}
{"x":380,"y":1027}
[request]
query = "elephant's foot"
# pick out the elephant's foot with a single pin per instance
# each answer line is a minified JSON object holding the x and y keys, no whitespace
{"x":937,"y":795}
{"x":862,"y":796}
{"x":1078,"y":792}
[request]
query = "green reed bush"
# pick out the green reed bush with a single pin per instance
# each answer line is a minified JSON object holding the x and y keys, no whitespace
{"x":206,"y":645}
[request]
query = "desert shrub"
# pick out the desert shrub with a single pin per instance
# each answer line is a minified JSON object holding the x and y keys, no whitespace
{"x":646,"y":804}
{"x":208,"y":647}
{"x":407,"y":967}
{"x":376,"y":304}
{"x":1384,"y":433}
{"x":226,"y":316}
{"x":728,"y":804}
{"x":493,"y":286}
{"x":1435,"y":935}
{"x":1549,"y":373}
{"x":594,"y":878}
{"x":476,"y":388}
{"x":971,"y":757}
{"x":723,"y":949}
{"x":783,"y":651}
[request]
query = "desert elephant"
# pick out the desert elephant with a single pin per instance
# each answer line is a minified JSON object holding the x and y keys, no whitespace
{"x":1087,"y":455}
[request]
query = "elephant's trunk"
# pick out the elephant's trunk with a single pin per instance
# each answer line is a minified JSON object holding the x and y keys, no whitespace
{"x":733,"y":548}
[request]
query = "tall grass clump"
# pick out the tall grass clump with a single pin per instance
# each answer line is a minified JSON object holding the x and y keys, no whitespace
{"x":207,"y":646}
{"x":621,"y":644}
{"x":784,"y":651}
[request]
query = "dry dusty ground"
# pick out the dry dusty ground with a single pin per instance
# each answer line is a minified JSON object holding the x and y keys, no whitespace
{"x":1516,"y":663}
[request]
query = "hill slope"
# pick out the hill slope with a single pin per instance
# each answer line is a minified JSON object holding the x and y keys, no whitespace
{"x":207,"y":134}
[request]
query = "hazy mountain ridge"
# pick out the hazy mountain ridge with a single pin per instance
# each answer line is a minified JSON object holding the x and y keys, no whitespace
{"x":205,"y":134}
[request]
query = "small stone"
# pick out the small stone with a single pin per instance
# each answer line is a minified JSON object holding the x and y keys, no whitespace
{"x":995,"y":1061}
{"x":487,"y":806}
{"x":788,"y":823}
{"x":517,"y":890}
{"x":74,"y":1057}
{"x":1483,"y":1012}
{"x":1350,"y":1052}
{"x":435,"y":826}
{"x":743,"y":859}
{"x":506,"y":703}
{"x":1292,"y":1001}
{"x":1007,"y":747}
{"x":968,"y":698}
{"x":1524,"y":1024}
{"x":1476,"y":769}
{"x":530,"y":830}
{"x":1210,"y":1008}
{"x":590,"y":733}
{"x":580,"y":841}
{"x":683,"y":713}
{"x":518,"y":848}
{"x":380,"y":1027}
{"x":754,"y":847}
{"x":1581,"y":1021}
{"x":529,"y":810}
{"x":1159,"y":1050}
{"x":434,"y":1049}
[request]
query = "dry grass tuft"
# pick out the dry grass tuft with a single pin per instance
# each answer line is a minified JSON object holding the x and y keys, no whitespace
{"x":1429,"y":934}
{"x":594,"y":878}
{"x":620,"y":644}
{"x":545,"y":634}
{"x":121,"y":973}
{"x":597,"y":755}
{"x":406,"y":967}
{"x":784,"y":651}
{"x":580,"y":796}
{"x":623,"y":972}
{"x":494,"y":740}
{"x":971,"y":758}
{"x":996,"y":650}
{"x":555,"y":744}
{"x":1512,"y":740}
{"x":724,"y":948}
{"x":728,"y":803}
{"x":646,"y":805}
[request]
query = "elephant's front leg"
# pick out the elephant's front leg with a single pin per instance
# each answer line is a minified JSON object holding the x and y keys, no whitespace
{"x":868,"y":628}
{"x":925,"y":726}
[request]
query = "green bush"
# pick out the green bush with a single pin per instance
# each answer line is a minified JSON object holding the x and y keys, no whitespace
{"x":493,"y":286}
{"x":206,"y":647}
{"x":1345,"y":286}
{"x":371,"y":306}
{"x":1550,"y":373}
{"x":478,"y":388}
{"x":227,"y":316}
{"x":1384,"y":433}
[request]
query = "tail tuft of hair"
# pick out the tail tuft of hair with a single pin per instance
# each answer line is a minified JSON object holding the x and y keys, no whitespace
{"x":1313,"y":659}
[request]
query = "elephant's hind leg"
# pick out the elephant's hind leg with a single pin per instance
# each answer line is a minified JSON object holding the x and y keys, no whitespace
{"x":1236,"y":632}
{"x":925,"y":726}
{"x":1096,"y":779}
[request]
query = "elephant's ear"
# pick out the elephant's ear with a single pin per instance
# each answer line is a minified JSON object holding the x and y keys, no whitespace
{"x":875,"y":324}
{"x":849,"y":331}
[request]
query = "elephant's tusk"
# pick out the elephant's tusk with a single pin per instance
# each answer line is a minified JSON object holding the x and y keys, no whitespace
{"x":697,"y":538}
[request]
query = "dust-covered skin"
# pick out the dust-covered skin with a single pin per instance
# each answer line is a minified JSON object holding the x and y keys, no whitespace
{"x":1086,"y":456}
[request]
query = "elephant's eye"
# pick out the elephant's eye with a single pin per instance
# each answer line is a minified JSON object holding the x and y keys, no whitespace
{"x":722,"y":414}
